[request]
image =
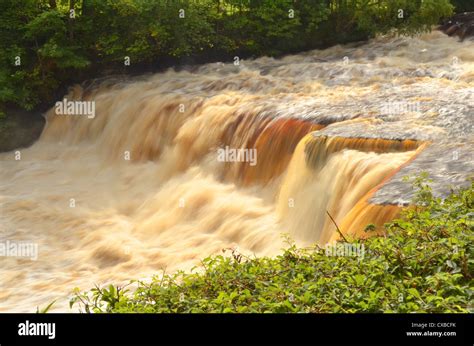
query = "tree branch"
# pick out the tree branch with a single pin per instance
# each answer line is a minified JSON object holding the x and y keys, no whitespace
{"x":337,"y":228}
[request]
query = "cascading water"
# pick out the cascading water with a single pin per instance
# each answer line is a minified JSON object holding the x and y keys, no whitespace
{"x":139,"y":188}
{"x":329,"y":176}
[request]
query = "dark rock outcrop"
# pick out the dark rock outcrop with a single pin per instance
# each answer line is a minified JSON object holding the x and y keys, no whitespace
{"x":20,"y":129}
{"x":461,"y":25}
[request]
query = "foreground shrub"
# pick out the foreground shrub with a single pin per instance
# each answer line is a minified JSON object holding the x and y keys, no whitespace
{"x":423,"y":264}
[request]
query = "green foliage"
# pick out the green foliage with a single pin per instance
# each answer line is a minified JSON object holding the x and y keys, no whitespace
{"x":424,"y":264}
{"x":408,"y":16}
{"x":45,"y":309}
{"x":57,"y":50}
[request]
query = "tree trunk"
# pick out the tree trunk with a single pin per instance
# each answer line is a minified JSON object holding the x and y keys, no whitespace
{"x":71,"y":20}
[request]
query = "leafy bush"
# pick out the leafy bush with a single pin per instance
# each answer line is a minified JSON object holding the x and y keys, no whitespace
{"x":423,"y":263}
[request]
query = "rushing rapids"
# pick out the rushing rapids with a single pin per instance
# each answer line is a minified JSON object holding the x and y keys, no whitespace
{"x":139,"y":188}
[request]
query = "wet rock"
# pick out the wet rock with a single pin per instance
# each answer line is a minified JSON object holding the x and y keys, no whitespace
{"x":461,"y":25}
{"x":20,"y":129}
